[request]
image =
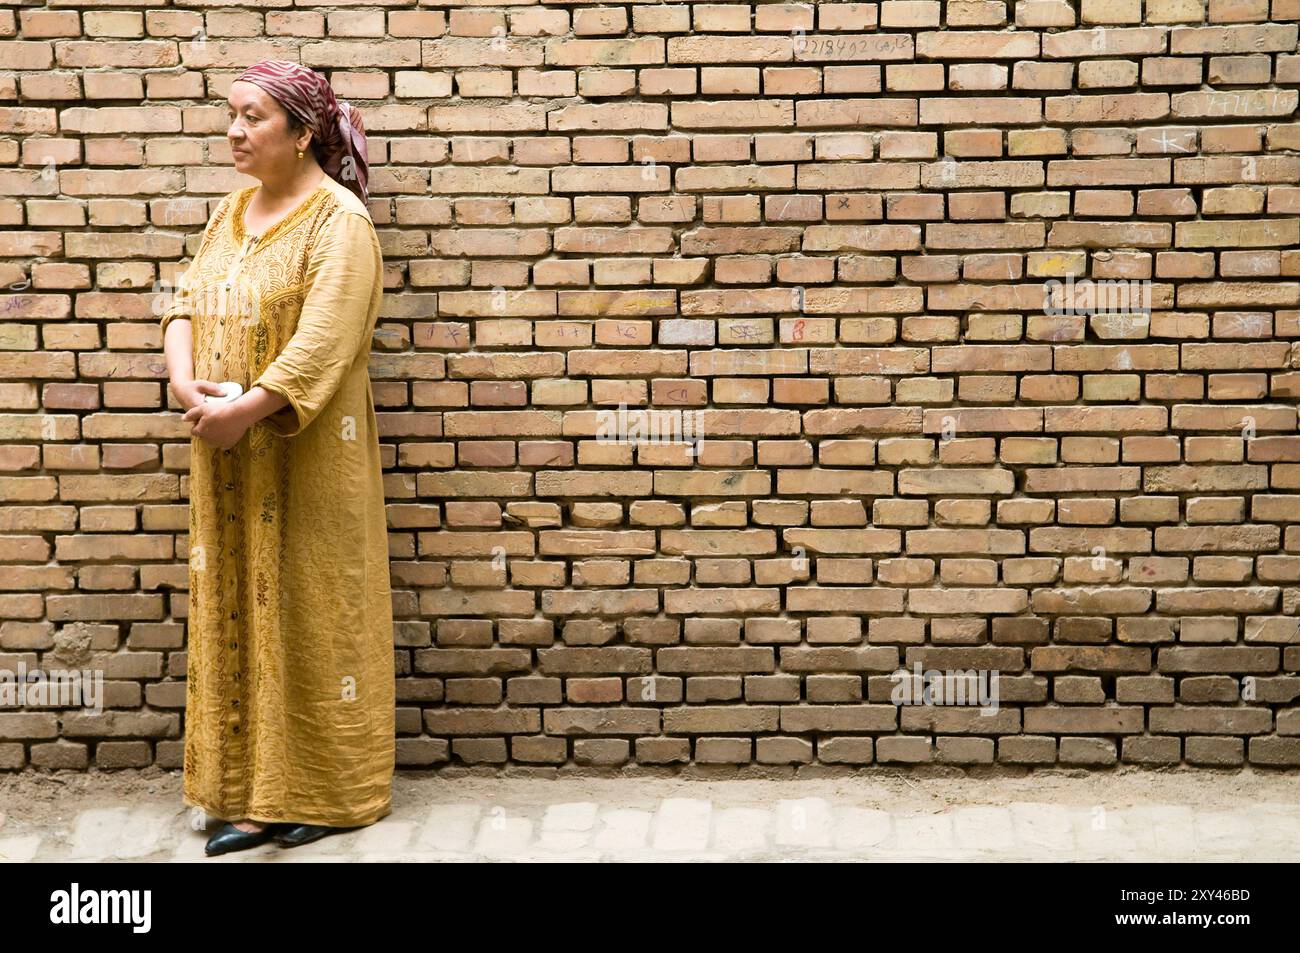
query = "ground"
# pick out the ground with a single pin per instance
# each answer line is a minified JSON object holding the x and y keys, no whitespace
{"x":872,"y":815}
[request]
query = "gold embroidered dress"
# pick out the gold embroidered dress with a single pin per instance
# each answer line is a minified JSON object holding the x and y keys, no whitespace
{"x":290,"y":684}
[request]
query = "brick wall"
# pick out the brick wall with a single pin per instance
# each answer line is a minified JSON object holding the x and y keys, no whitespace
{"x":870,"y":250}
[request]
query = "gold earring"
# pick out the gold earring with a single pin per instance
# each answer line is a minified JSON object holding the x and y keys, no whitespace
{"x":299,"y":153}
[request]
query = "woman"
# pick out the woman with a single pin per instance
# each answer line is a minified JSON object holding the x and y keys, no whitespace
{"x":290,"y":693}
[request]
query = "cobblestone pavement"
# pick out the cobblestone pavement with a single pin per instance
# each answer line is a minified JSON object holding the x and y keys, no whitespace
{"x":1176,"y":816}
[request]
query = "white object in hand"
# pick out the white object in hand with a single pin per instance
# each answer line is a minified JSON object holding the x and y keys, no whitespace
{"x":232,"y":390}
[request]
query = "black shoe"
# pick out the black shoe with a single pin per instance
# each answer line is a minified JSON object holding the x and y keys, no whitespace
{"x":294,"y":834}
{"x":230,"y":838}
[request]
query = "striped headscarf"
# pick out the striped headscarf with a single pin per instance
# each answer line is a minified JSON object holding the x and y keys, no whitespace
{"x":338,"y":135}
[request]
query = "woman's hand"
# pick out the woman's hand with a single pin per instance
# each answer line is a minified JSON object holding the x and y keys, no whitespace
{"x":221,"y":423}
{"x":191,"y":393}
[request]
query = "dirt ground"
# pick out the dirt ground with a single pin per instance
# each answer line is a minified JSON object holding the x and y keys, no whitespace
{"x":40,"y":800}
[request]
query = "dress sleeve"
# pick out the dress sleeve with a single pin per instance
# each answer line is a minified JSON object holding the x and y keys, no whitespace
{"x":343,"y":280}
{"x":181,"y":304}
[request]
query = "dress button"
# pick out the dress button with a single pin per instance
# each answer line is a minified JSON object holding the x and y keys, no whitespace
{"x":230,"y":486}
{"x":226,"y":452}
{"x":232,"y":552}
{"x":234,"y":645}
{"x":235,"y":703}
{"x":234,"y":614}
{"x":231,"y":517}
{"x":236,"y":676}
{"x":235,"y":729}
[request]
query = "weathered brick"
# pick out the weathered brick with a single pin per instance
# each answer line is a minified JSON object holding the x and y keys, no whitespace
{"x":869,"y":243}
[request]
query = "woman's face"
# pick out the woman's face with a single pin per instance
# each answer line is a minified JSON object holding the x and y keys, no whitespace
{"x":261,"y":140}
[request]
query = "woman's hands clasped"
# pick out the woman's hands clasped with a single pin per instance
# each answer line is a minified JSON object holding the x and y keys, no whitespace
{"x":220,"y":423}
